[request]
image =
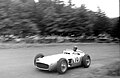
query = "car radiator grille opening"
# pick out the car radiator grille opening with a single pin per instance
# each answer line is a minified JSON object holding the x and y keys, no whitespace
{"x":42,"y":65}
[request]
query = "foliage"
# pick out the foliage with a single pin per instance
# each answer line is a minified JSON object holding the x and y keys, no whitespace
{"x":102,"y":23}
{"x":115,"y":29}
{"x":52,"y":17}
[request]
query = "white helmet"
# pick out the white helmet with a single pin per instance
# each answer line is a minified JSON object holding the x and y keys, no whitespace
{"x":75,"y":48}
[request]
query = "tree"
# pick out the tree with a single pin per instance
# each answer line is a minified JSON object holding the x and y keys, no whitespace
{"x":17,"y":19}
{"x":48,"y":17}
{"x":70,"y":23}
{"x":115,"y":29}
{"x":102,"y":23}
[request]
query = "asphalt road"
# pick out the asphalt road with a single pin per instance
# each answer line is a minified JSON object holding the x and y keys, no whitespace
{"x":18,"y":63}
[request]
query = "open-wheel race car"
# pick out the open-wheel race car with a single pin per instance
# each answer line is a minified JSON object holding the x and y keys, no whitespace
{"x":61,"y":62}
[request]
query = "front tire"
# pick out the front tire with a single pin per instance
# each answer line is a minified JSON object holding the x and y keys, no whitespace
{"x":86,"y":61}
{"x":62,"y":66}
{"x":38,"y":56}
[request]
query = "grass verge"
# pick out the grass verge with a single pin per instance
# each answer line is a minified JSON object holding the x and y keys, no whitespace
{"x":112,"y":69}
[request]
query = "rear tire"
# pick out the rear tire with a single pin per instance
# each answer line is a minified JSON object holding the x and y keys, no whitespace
{"x":38,"y":56}
{"x":62,"y":66}
{"x":86,"y":61}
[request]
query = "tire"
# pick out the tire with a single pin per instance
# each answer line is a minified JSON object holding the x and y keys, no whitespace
{"x":62,"y":66}
{"x":86,"y":61}
{"x":38,"y":56}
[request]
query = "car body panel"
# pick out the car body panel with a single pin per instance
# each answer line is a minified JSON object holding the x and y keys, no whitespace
{"x":73,"y":59}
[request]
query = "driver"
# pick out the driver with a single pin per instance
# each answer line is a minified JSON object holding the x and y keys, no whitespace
{"x":75,"y":48}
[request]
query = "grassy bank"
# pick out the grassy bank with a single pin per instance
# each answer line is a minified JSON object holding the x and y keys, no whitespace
{"x":112,"y":70}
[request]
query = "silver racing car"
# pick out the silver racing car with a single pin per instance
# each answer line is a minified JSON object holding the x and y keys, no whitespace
{"x":61,"y":62}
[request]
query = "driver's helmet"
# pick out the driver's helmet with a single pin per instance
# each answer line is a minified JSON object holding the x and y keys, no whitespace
{"x":75,"y":48}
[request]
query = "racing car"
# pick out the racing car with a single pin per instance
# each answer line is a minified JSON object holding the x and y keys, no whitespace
{"x":61,"y":62}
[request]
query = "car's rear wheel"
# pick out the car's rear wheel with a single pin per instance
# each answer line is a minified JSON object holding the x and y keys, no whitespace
{"x":38,"y":56}
{"x":62,"y":66}
{"x":86,"y":61}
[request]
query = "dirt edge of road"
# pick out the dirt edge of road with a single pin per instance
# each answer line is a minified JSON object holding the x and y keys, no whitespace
{"x":110,"y":70}
{"x":24,"y":45}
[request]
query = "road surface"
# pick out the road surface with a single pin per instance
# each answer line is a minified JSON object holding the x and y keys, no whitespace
{"x":18,"y":62}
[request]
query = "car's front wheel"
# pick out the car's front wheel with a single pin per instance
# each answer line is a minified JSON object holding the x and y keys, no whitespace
{"x":38,"y":56}
{"x":62,"y":66}
{"x":86,"y":61}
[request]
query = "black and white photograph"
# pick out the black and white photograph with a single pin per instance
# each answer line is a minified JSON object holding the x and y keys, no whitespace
{"x":59,"y":39}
